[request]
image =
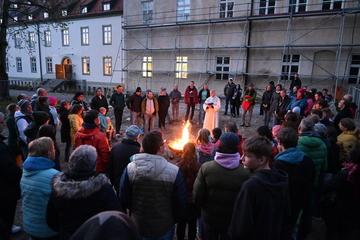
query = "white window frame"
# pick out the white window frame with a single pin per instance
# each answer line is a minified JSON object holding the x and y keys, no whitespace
{"x":83,"y":10}
{"x":18,"y":64}
{"x":147,"y":66}
{"x":31,"y":39}
{"x":290,"y":65}
{"x":85,"y":40}
{"x":267,"y":7}
{"x":107,"y":66}
{"x":17,"y":40}
{"x":107,"y":34}
{"x":46,"y":15}
{"x":7,"y":67}
{"x":222,"y":67}
{"x":297,"y":5}
{"x":49,"y":65}
{"x":226,"y":8}
{"x":47,"y":38}
{"x":85,"y":65}
{"x":147,"y":11}
{"x":181,"y":67}
{"x":330,"y":4}
{"x":30,"y":17}
{"x":353,"y":68}
{"x":106,"y":6}
{"x":65,"y":36}
{"x":183,"y":10}
{"x":33,"y":66}
{"x":64,"y":12}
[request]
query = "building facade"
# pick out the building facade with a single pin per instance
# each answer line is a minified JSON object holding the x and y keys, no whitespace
{"x":177,"y":41}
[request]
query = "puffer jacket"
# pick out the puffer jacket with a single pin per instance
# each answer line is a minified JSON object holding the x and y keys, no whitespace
{"x":94,"y":137}
{"x":155,"y":192}
{"x":217,"y":195}
{"x":301,"y":103}
{"x":35,"y":192}
{"x":347,"y":142}
{"x":78,"y":194}
{"x":313,"y":146}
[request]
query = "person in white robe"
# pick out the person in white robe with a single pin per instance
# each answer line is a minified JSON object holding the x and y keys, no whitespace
{"x":211,"y":107}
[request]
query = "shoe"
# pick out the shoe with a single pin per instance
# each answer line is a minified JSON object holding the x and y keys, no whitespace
{"x":225,"y":114}
{"x":233,"y":115}
{"x":237,"y":116}
{"x":15,"y":229}
{"x":242,"y":124}
{"x":247,"y":125}
{"x":118,"y":135}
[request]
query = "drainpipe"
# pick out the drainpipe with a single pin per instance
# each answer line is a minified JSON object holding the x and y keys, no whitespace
{"x":40,"y":58}
{"x":248,"y":49}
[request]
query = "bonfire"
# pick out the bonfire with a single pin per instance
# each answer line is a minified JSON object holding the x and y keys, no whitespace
{"x":178,"y":144}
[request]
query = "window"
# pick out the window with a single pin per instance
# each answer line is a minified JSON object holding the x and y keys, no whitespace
{"x":267,"y":7}
{"x":147,"y":10}
{"x":7,"y":65}
{"x":65,"y":37}
{"x":84,"y":10}
{"x":290,"y":65}
{"x":49,"y":65}
{"x":331,"y":4}
{"x":106,"y":6}
{"x":86,"y":65}
{"x":64,"y":12}
{"x":107,"y":34}
{"x":181,"y":67}
{"x":30,"y":17}
{"x":31,"y":39}
{"x":222,"y":68}
{"x":226,"y":8}
{"x":183,"y":10}
{"x":18,"y":64}
{"x":107,"y":65}
{"x":297,"y":5}
{"x":147,"y":67}
{"x":354,"y":70}
{"x":17,"y":40}
{"x":46,"y":14}
{"x":84,"y":36}
{"x":33,"y":64}
{"x":15,"y":19}
{"x":14,"y":5}
{"x":47,"y":35}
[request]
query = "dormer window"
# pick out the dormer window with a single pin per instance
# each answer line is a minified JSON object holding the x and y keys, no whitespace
{"x":64,"y":12}
{"x":15,"y":19}
{"x":14,"y":5}
{"x":30,"y":17}
{"x":106,"y":6}
{"x":46,"y":14}
{"x":84,"y":10}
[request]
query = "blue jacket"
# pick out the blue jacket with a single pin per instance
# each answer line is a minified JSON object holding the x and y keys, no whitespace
{"x":103,"y":124}
{"x":35,"y":192}
{"x":301,"y":103}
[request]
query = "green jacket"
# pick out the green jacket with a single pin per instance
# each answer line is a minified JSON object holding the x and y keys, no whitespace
{"x":313,"y":146}
{"x":215,"y":190}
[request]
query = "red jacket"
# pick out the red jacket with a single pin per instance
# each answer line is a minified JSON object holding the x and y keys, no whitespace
{"x":187,"y":95}
{"x":97,"y":139}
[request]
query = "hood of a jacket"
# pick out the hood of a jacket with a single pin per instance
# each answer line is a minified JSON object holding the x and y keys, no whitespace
{"x":227,"y":160}
{"x":291,"y":155}
{"x":73,"y":189}
{"x":148,"y":166}
{"x":18,"y":114}
{"x":275,"y":181}
{"x":207,"y":149}
{"x":86,"y":133}
{"x":37,"y":163}
{"x":310,"y":139}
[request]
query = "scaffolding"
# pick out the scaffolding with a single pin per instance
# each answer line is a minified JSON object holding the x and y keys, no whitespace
{"x":333,"y":32}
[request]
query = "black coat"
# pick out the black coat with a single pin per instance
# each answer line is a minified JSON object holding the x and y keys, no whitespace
{"x":343,"y":113}
{"x":281,"y":108}
{"x":119,"y":158}
{"x":164,"y":103}
{"x":266,"y":99}
{"x":97,"y":103}
{"x":200,"y":94}
{"x":134,"y":102}
{"x":32,"y":131}
{"x":65,"y":125}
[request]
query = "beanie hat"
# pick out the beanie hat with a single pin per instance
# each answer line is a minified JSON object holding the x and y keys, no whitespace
{"x":133,"y":131}
{"x":40,"y":117}
{"x":83,"y":159}
{"x":138,"y":89}
{"x":23,"y":104}
{"x":302,"y":91}
{"x":229,"y":139}
{"x":53,"y":101}
{"x":296,"y":110}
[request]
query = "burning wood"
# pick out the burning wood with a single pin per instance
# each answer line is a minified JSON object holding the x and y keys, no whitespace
{"x":178,"y":144}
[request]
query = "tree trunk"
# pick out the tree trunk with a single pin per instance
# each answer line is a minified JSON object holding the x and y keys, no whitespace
{"x":4,"y":78}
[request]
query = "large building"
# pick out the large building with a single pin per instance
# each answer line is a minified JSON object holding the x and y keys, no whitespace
{"x":177,"y":41}
{"x":84,"y":48}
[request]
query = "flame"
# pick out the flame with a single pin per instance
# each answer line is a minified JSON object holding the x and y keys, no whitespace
{"x":178,"y":144}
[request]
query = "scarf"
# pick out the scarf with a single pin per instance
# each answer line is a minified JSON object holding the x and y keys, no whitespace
{"x":89,"y":125}
{"x":227,"y":160}
{"x":351,"y":167}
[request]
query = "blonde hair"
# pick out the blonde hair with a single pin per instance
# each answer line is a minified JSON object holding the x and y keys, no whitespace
{"x":203,"y":136}
{"x":40,"y":147}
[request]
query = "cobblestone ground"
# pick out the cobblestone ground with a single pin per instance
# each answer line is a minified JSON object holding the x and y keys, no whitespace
{"x":172,"y":132}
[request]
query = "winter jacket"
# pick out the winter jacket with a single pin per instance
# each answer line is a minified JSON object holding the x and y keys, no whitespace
{"x":200,"y":94}
{"x":347,"y":142}
{"x":22,"y":121}
{"x":251,"y":93}
{"x":188,"y":92}
{"x":117,"y":100}
{"x":295,"y":82}
{"x":155,"y":192}
{"x":310,"y":103}
{"x":282,"y":106}
{"x":75,"y":198}
{"x":164,"y":102}
{"x":301,"y":103}
{"x":313,"y":146}
{"x":35,"y":192}
{"x":65,"y":125}
{"x":10,"y":175}
{"x":82,"y":103}
{"x":266,"y":100}
{"x":206,"y":152}
{"x":229,"y":89}
{"x":343,"y":113}
{"x":76,"y":122}
{"x":175,"y":96}
{"x":216,"y":195}
{"x":263,"y":197}
{"x":13,"y":135}
{"x":91,"y":135}
{"x":31,"y":131}
{"x":119,"y":158}
{"x":156,"y":106}
{"x":103,"y":123}
{"x":134,"y":103}
{"x":97,"y":103}
{"x":274,"y":101}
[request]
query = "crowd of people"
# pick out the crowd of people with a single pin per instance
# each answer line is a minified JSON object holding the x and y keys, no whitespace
{"x":268,"y":186}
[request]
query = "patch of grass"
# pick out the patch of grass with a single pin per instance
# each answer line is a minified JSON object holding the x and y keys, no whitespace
{"x":4,"y":104}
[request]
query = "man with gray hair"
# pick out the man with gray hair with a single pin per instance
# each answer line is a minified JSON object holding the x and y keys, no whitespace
{"x":40,"y":92}
{"x":211,"y":107}
{"x":120,"y":154}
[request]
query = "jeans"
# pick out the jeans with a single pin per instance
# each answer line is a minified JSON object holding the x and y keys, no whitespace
{"x":135,"y":119}
{"x":181,"y":227}
{"x":250,"y":110}
{"x":192,"y":106}
{"x":175,"y":111}
{"x":201,"y":111}
{"x":67,"y":151}
{"x":118,"y":118}
{"x":167,"y":236}
{"x":149,"y":122}
{"x":227,"y":100}
{"x":267,"y":117}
